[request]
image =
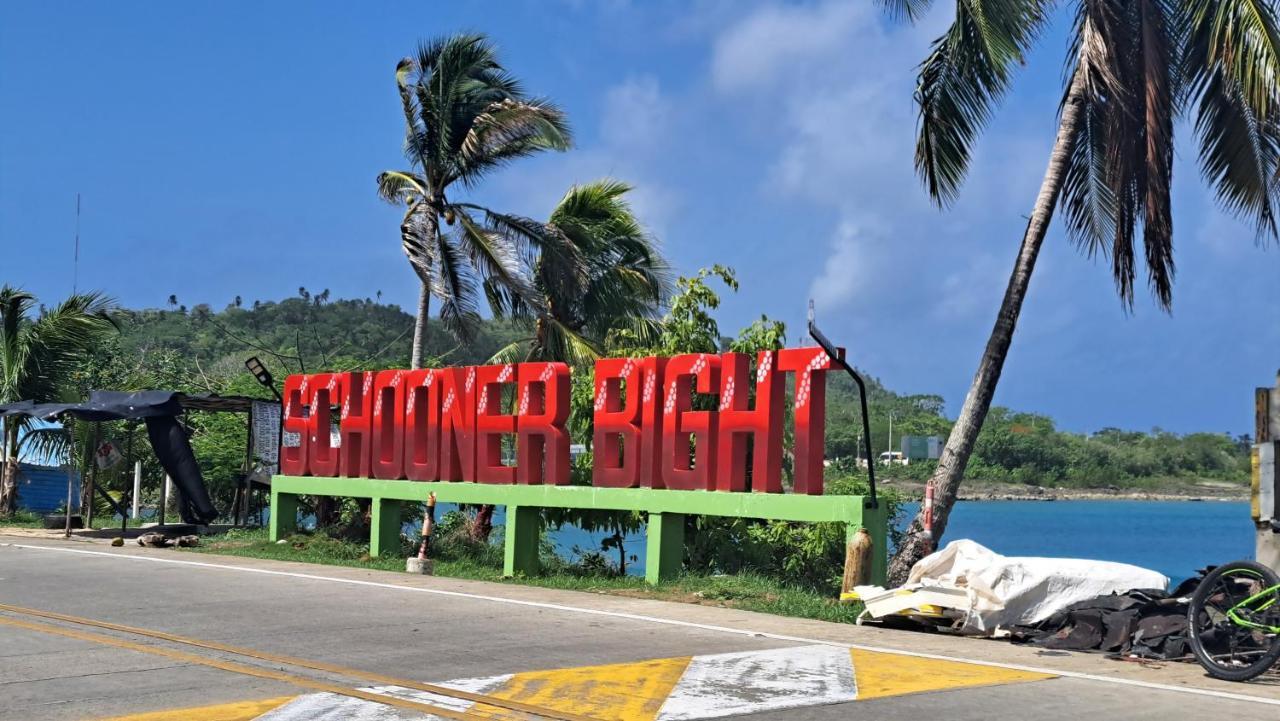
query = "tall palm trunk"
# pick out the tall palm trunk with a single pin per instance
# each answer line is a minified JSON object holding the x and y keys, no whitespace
{"x":420,"y":325}
{"x":9,"y":469}
{"x":424,"y":294}
{"x":955,"y":456}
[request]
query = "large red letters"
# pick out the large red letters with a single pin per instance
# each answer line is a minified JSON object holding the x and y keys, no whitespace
{"x":762,"y":425}
{"x":542,"y":443}
{"x":322,"y":455}
{"x":657,"y":423}
{"x":686,"y":426}
{"x":810,"y":366}
{"x":492,"y":425}
{"x":356,"y":425}
{"x":616,"y":436}
{"x":294,"y":433}
{"x":422,"y":425}
{"x":386,"y":456}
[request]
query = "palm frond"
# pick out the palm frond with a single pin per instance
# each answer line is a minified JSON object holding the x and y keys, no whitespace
{"x":559,"y":342}
{"x":398,"y":187}
{"x":45,"y":443}
{"x":496,"y":257}
{"x":1119,"y":174}
{"x":452,"y":283}
{"x":1231,"y":66}
{"x":910,"y":10}
{"x":965,"y":74}
{"x":510,"y":129}
{"x":419,"y":233}
{"x":516,"y":351}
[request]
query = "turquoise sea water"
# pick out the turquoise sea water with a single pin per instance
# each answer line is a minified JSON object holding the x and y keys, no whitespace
{"x":1172,"y":537}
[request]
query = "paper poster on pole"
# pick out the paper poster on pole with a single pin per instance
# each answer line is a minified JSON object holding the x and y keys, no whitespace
{"x":107,"y":455}
{"x":266,"y":432}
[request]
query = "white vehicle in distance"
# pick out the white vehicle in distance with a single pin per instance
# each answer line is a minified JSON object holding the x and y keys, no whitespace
{"x":893,"y":458}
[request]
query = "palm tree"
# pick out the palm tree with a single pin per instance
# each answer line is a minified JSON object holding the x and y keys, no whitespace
{"x":605,"y":274}
{"x":464,"y":116}
{"x":1132,"y":68}
{"x":38,"y":355}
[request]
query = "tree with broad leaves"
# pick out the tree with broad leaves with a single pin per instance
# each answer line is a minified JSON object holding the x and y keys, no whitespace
{"x":465,"y":116}
{"x":603,"y":273}
{"x":1133,"y":68}
{"x":39,"y":355}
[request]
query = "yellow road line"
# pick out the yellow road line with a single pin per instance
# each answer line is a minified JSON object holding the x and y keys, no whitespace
{"x":237,"y":711}
{"x":613,"y":692}
{"x":886,"y":674}
{"x":241,"y":669}
{"x":509,"y":704}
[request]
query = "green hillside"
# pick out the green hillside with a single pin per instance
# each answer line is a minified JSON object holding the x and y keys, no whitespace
{"x":203,"y":350}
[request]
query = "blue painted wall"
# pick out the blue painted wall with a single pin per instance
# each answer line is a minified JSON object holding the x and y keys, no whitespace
{"x":43,"y":489}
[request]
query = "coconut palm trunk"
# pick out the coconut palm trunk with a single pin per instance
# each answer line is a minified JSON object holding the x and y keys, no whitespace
{"x":9,"y":469}
{"x":964,"y":434}
{"x":420,"y":325}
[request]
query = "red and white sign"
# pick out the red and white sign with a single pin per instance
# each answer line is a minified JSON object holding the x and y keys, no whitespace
{"x":651,"y":429}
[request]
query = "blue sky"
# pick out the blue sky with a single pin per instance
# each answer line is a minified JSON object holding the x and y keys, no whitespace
{"x":231,"y":148}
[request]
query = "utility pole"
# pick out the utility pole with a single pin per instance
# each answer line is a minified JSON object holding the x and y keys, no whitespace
{"x":891,"y":438}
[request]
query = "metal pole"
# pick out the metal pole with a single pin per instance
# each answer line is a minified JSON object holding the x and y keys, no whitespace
{"x":891,"y":438}
{"x":164,"y":497}
{"x":242,"y":509}
{"x":93,"y":475}
{"x":71,"y":467}
{"x":862,"y":393}
{"x":137,"y":488}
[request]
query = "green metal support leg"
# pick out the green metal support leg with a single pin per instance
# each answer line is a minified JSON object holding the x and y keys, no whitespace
{"x":284,"y":515}
{"x":521,"y":552}
{"x":384,"y":528}
{"x":875,"y":520}
{"x":665,"y":547}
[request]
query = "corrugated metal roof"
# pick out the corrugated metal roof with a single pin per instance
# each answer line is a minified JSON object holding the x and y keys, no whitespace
{"x":43,"y":489}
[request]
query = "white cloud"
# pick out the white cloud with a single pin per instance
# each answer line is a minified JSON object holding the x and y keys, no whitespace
{"x":635,"y":114}
{"x":844,"y":275}
{"x":776,"y":39}
{"x":635,"y":118}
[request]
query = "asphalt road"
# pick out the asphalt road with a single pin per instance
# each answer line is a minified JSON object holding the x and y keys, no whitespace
{"x":511,"y":649}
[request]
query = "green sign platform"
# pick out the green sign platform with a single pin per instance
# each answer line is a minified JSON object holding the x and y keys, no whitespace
{"x":666,"y":511}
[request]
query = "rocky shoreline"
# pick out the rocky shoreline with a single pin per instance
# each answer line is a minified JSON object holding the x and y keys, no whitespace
{"x":1097,"y":496}
{"x":986,"y":492}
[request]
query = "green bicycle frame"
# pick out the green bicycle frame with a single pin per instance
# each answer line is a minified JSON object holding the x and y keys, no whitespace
{"x":1274,"y":591}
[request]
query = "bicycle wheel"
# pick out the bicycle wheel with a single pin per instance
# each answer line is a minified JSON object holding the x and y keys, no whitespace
{"x":1233,"y":619}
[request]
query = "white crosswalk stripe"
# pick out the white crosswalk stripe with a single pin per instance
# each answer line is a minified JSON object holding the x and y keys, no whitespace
{"x":727,"y":684}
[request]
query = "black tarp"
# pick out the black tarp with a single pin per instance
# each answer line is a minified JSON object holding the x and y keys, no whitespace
{"x":103,"y":406}
{"x":160,"y":410}
{"x":170,"y":443}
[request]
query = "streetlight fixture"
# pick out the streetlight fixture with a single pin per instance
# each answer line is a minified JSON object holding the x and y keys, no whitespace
{"x":262,"y":375}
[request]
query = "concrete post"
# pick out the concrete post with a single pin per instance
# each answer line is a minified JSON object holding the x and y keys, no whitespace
{"x":520,"y":553}
{"x":137,"y":488}
{"x":875,"y":520}
{"x":384,"y":527}
{"x":284,"y":515}
{"x":1265,"y":492}
{"x":164,"y":498}
{"x":664,"y":547}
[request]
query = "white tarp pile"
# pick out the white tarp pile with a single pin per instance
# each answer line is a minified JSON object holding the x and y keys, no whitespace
{"x":995,"y":591}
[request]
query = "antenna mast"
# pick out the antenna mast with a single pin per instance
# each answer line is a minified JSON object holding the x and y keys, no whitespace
{"x":75,"y":267}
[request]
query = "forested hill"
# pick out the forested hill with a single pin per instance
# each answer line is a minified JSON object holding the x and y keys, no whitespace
{"x":306,"y":332}
{"x":202,"y":348}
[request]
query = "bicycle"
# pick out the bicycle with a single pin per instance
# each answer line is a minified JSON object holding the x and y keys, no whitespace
{"x":1233,"y":622}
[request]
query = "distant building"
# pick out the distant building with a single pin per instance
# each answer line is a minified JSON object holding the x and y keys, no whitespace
{"x":43,"y":489}
{"x":922,"y":448}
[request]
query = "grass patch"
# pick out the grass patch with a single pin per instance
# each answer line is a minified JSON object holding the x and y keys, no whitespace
{"x":22,"y":519}
{"x":748,"y":592}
